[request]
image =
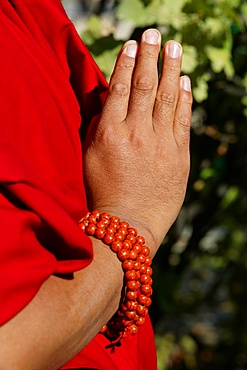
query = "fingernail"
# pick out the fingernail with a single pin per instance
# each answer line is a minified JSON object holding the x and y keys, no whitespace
{"x":174,"y":50}
{"x":185,"y":83}
{"x":131,"y":50}
{"x":151,"y":37}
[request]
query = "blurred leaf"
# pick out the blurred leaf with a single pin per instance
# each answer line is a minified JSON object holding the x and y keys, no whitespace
{"x":230,"y":196}
{"x":106,"y":60}
{"x":94,"y":26}
{"x":132,"y":10}
{"x":200,"y":91}
{"x":207,"y":173}
{"x":190,"y":59}
{"x":213,"y":26}
{"x":244,"y":11}
{"x":188,"y":344}
{"x":220,"y":59}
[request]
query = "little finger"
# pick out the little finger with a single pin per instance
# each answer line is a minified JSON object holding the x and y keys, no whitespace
{"x":183,"y":114}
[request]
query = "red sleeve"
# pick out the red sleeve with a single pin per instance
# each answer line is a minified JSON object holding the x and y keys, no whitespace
{"x":50,"y":88}
{"x":136,"y":352}
{"x":42,"y":195}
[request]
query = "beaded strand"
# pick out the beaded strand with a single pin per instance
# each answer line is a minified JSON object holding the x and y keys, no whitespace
{"x":136,"y":264}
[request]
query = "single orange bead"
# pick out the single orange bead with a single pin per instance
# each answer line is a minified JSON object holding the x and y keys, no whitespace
{"x":145,"y":251}
{"x":90,"y":229}
{"x":130,"y":275}
{"x":110,"y":230}
{"x":119,"y":236}
{"x":141,"y":258}
{"x":116,"y":246}
{"x":92,"y":219}
{"x":144,"y":279}
{"x":133,"y":329}
{"x":148,"y":261}
{"x":101,"y":224}
{"x":146,"y":290}
{"x":82,"y":226}
{"x":115,"y":219}
{"x":96,"y":214}
{"x":114,"y":225}
{"x":108,"y":239}
{"x":149,"y":270}
{"x":105,"y":215}
{"x":137,"y":265}
{"x":133,"y":285}
{"x":141,"y":310}
{"x":148,"y":302}
{"x":128,"y":265}
{"x":131,"y":305}
{"x":127,"y":244}
{"x":137,"y":248}
{"x":122,"y":231}
{"x":142,"y":299}
{"x":99,"y":233}
{"x":124,"y":225}
{"x":132,"y":231}
{"x":132,"y":254}
{"x":123,"y":254}
{"x":143,"y":269}
{"x":140,"y":321}
{"x":140,"y":240}
{"x":131,"y":238}
{"x":131,"y":296}
{"x":130,"y":315}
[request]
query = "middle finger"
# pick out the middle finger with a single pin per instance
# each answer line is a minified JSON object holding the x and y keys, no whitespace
{"x":145,"y":78}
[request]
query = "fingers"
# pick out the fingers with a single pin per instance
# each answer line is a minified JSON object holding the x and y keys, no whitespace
{"x":136,"y":95}
{"x":172,"y":110}
{"x":145,"y":79}
{"x":182,"y":119}
{"x":120,"y":85}
{"x":168,"y":91}
{"x":133,"y":85}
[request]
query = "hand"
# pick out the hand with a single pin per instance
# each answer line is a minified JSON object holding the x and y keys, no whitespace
{"x":137,"y":155}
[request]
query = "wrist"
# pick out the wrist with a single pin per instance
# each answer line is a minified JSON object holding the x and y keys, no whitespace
{"x":152,"y":234}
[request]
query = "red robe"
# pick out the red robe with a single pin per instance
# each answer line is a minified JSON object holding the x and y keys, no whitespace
{"x":50,"y":90}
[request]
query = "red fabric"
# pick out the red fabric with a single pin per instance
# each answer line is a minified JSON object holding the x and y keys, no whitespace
{"x":135,"y":353}
{"x":50,"y":87}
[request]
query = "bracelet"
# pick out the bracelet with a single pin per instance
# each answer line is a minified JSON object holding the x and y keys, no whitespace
{"x":136,"y":264}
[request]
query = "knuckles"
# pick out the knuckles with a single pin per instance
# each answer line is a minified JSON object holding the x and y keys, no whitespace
{"x":183,"y":121}
{"x":120,"y":89}
{"x":167,"y":98}
{"x":144,"y":84}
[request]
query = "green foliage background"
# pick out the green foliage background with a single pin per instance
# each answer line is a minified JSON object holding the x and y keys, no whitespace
{"x":200,"y":300}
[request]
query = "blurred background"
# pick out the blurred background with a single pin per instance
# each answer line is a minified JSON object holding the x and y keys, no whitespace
{"x":199,"y":306}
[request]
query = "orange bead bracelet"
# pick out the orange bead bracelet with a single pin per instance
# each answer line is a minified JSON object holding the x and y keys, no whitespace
{"x":136,"y":264}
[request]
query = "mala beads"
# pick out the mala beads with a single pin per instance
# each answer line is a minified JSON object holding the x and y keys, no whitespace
{"x":136,"y":264}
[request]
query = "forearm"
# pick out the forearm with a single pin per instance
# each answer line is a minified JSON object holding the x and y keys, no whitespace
{"x":64,"y":316}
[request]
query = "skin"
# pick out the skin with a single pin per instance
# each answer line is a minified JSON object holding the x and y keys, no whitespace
{"x":136,"y":167}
